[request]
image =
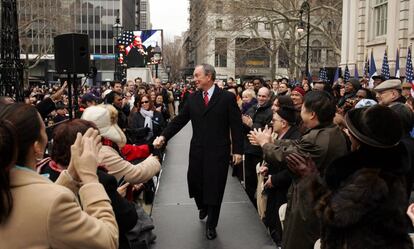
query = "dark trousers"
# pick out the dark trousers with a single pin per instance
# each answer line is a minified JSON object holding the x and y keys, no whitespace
{"x":250,"y":162}
{"x":213,"y":212}
{"x":275,"y":199}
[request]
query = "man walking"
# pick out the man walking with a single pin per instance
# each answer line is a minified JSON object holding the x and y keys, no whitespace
{"x":216,"y":122}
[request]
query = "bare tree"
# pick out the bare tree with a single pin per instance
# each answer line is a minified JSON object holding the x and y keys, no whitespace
{"x":280,"y":19}
{"x":39,"y":22}
{"x":173,"y":56}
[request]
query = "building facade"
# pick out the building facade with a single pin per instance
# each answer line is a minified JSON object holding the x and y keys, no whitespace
{"x":41,"y":20}
{"x":143,"y":18}
{"x":376,"y":26}
{"x":228,"y":41}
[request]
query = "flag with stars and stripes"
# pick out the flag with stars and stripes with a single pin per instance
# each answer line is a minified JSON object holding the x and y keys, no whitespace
{"x":147,"y":37}
{"x":385,"y":71}
{"x":126,"y":38}
{"x":372,"y":70}
{"x":409,"y":76}
{"x":347,"y":75}
{"x":323,"y":75}
{"x":397,"y":64}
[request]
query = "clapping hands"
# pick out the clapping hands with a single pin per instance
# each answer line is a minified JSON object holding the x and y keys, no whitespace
{"x":84,"y":156}
{"x":260,"y":137}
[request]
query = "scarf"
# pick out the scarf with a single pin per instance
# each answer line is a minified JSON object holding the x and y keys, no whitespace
{"x":148,"y":121}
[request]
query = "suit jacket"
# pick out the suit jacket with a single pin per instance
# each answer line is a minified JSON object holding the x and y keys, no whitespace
{"x":210,"y":144}
{"x":47,"y":215}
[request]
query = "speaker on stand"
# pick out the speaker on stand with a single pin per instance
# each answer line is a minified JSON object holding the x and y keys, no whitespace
{"x":72,"y":58}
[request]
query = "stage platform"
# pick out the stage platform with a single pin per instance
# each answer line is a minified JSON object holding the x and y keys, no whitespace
{"x":176,"y":216}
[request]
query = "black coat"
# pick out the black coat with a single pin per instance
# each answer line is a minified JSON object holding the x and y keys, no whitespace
{"x":364,"y":204}
{"x":45,"y":107}
{"x":137,"y":121}
{"x":281,"y":181}
{"x":261,"y":117}
{"x":210,"y":144}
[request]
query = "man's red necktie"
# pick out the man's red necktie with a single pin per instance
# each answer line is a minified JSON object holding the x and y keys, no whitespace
{"x":206,"y":98}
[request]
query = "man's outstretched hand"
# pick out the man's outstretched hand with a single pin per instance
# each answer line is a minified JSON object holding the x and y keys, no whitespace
{"x":237,"y":158}
{"x":159,"y":142}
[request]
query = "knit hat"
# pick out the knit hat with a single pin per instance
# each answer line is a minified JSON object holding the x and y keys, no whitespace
{"x":105,"y":118}
{"x":377,"y":126}
{"x":287,"y":113}
{"x":299,"y":90}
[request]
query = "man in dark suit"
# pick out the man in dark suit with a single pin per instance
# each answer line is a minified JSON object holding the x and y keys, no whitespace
{"x":215,"y":116}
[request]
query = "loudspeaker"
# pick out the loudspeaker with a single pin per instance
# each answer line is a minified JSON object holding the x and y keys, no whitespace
{"x":72,"y":53}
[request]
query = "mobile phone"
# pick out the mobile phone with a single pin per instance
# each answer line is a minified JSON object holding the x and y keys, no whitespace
{"x":121,"y":181}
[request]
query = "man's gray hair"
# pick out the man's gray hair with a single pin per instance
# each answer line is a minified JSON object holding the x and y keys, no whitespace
{"x":209,"y":69}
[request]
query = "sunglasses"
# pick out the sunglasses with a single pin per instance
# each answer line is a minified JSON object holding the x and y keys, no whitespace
{"x":144,"y":102}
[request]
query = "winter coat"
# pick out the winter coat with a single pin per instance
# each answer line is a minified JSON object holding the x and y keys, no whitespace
{"x":261,"y":117}
{"x":324,"y":144}
{"x":363,"y":201}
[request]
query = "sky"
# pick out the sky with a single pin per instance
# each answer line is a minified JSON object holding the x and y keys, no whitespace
{"x":169,"y":15}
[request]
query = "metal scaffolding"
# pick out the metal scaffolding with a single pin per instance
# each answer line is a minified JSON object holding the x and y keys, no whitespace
{"x":11,"y":67}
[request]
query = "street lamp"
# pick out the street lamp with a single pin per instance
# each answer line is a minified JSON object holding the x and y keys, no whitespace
{"x":168,"y":72}
{"x":157,"y":58}
{"x":117,"y":32}
{"x":305,"y":7}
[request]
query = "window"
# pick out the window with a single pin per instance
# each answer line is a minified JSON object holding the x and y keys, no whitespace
{"x":316,"y":55}
{"x":220,"y":54}
{"x":219,"y":24}
{"x":143,"y":6}
{"x":267,"y":26}
{"x":380,"y":17}
{"x":219,"y":7}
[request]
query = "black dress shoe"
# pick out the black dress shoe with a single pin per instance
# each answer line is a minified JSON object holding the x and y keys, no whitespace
{"x":203,"y":214}
{"x":211,"y":233}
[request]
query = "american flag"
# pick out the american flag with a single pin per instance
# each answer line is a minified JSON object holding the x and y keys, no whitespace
{"x":126,"y":39}
{"x":323,"y":75}
{"x":385,"y":71}
{"x":347,"y":75}
{"x":409,"y":76}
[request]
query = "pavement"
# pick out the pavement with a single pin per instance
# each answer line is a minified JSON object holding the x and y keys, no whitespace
{"x":175,"y":215}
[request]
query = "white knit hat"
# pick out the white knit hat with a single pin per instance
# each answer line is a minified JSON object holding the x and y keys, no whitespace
{"x":105,"y":118}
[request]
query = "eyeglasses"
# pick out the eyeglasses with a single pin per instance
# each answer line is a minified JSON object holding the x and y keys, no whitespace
{"x":145,"y":102}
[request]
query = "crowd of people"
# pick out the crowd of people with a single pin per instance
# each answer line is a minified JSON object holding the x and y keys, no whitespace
{"x":321,"y":161}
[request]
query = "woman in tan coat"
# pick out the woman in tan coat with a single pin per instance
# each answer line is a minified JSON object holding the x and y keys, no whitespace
{"x":105,"y":118}
{"x":37,"y":213}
